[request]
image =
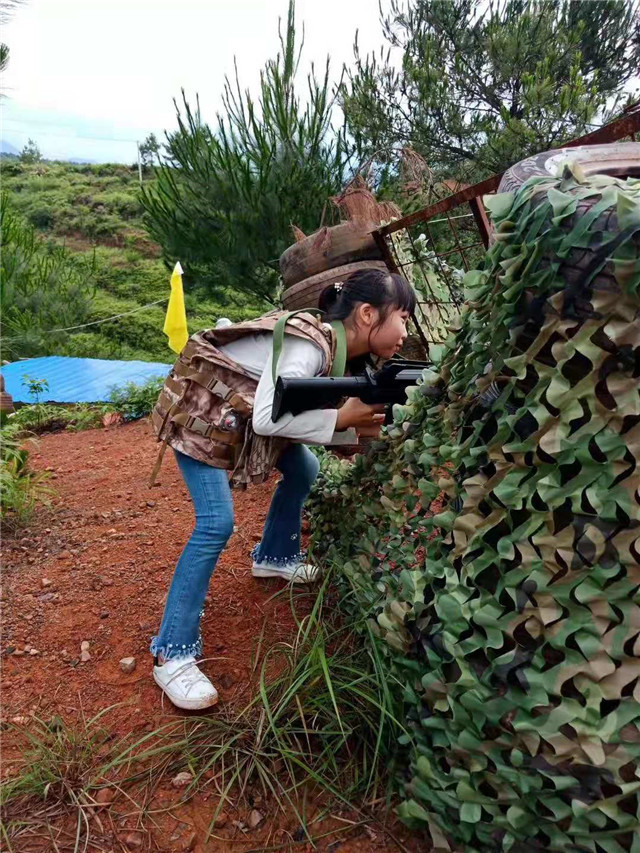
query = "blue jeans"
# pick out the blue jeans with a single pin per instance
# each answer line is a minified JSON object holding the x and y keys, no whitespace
{"x":179,"y":632}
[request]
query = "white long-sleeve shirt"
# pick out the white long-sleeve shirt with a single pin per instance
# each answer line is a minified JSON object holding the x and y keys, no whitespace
{"x":299,"y":358}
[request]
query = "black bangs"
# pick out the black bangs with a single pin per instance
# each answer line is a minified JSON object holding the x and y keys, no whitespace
{"x":404,"y":294}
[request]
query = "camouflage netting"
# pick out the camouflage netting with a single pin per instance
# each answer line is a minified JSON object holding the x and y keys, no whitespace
{"x":511,"y":618}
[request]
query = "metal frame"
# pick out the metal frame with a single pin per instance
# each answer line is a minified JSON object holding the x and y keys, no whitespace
{"x":626,"y":126}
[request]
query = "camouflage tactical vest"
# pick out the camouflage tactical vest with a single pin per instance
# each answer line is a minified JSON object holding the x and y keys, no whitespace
{"x":206,"y":405}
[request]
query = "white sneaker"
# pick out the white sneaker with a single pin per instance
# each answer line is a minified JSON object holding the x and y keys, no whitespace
{"x":296,"y":572}
{"x":184,"y":684}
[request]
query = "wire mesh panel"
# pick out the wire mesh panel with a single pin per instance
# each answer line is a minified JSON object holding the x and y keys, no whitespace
{"x":434,"y":247}
{"x":434,"y":255}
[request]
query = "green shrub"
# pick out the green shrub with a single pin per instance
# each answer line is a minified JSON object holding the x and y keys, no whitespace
{"x":44,"y":288}
{"x":136,"y":401}
{"x":41,"y":217}
{"x":21,"y":489}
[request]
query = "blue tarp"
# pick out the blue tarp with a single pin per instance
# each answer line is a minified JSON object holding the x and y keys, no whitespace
{"x":76,"y":380}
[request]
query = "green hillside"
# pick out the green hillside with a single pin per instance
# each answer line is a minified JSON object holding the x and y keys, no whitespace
{"x":95,"y":212}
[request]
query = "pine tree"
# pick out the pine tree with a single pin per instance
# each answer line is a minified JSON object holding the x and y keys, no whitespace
{"x":482,"y":85}
{"x":225,"y":199}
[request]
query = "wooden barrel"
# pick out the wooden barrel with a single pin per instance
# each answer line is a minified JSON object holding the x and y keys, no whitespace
{"x":305,"y":294}
{"x":328,"y":248}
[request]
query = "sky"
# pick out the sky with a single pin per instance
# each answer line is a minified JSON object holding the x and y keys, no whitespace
{"x":89,"y":78}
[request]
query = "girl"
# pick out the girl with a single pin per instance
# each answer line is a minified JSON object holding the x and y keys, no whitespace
{"x":208,"y":435}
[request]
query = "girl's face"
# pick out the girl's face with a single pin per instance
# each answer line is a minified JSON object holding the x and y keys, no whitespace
{"x":386,"y":339}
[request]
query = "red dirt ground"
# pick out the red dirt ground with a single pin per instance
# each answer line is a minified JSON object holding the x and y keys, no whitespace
{"x":108,"y":548}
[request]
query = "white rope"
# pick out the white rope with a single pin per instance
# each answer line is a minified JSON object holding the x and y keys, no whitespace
{"x":106,"y":319}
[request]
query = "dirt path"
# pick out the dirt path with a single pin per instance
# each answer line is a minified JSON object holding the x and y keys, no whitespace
{"x":96,"y":568}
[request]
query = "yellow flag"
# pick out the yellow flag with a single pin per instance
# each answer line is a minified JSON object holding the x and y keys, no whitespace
{"x":175,"y":323}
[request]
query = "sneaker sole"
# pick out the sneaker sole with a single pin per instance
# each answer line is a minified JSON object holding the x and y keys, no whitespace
{"x":186,"y":704}
{"x":273,"y":573}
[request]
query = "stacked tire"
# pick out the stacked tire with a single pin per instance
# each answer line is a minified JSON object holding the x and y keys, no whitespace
{"x":324,"y":258}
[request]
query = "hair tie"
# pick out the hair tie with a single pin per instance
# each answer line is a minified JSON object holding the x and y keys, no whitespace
{"x":338,"y":286}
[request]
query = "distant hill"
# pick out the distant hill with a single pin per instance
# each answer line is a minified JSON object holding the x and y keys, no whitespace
{"x":95,"y":211}
{"x":8,"y":148}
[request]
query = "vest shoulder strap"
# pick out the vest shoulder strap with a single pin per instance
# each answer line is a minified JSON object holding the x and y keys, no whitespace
{"x":339,"y":363}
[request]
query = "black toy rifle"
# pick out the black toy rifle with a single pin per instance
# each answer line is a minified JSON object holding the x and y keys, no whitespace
{"x":387,"y":386}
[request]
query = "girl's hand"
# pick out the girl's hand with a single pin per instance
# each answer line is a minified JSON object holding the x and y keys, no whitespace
{"x":355,"y":413}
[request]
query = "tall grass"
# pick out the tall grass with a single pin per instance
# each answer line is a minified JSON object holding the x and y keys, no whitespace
{"x":323,"y":720}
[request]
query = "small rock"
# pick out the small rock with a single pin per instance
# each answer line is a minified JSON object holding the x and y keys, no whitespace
{"x":18,"y":653}
{"x":85,"y":646}
{"x":133,"y":840}
{"x":151,"y":503}
{"x":104,"y":614}
{"x":255,"y":818}
{"x":85,"y":656}
{"x":221,"y":820}
{"x":19,"y":721}
{"x":104,"y":797}
{"x":128,"y":665}
{"x":34,"y":652}
{"x":45,"y":582}
{"x":182,"y":780}
{"x":241,"y":825}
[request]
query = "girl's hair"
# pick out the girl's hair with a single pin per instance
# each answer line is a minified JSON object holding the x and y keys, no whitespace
{"x":384,"y":290}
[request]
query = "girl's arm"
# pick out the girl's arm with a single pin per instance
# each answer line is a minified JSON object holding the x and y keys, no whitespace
{"x":300,"y":358}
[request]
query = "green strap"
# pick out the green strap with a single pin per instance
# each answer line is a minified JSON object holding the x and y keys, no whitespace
{"x":340,"y":360}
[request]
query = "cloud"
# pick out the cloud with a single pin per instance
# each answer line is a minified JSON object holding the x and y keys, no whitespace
{"x":111,"y":68}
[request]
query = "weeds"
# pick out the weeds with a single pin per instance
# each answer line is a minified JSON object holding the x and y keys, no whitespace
{"x":60,"y":777}
{"x":323,"y":719}
{"x":321,"y":728}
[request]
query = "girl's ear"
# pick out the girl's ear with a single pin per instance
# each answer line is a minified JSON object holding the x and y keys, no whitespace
{"x":366,"y":314}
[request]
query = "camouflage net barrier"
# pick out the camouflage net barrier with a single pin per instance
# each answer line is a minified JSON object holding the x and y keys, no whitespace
{"x":510,"y":619}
